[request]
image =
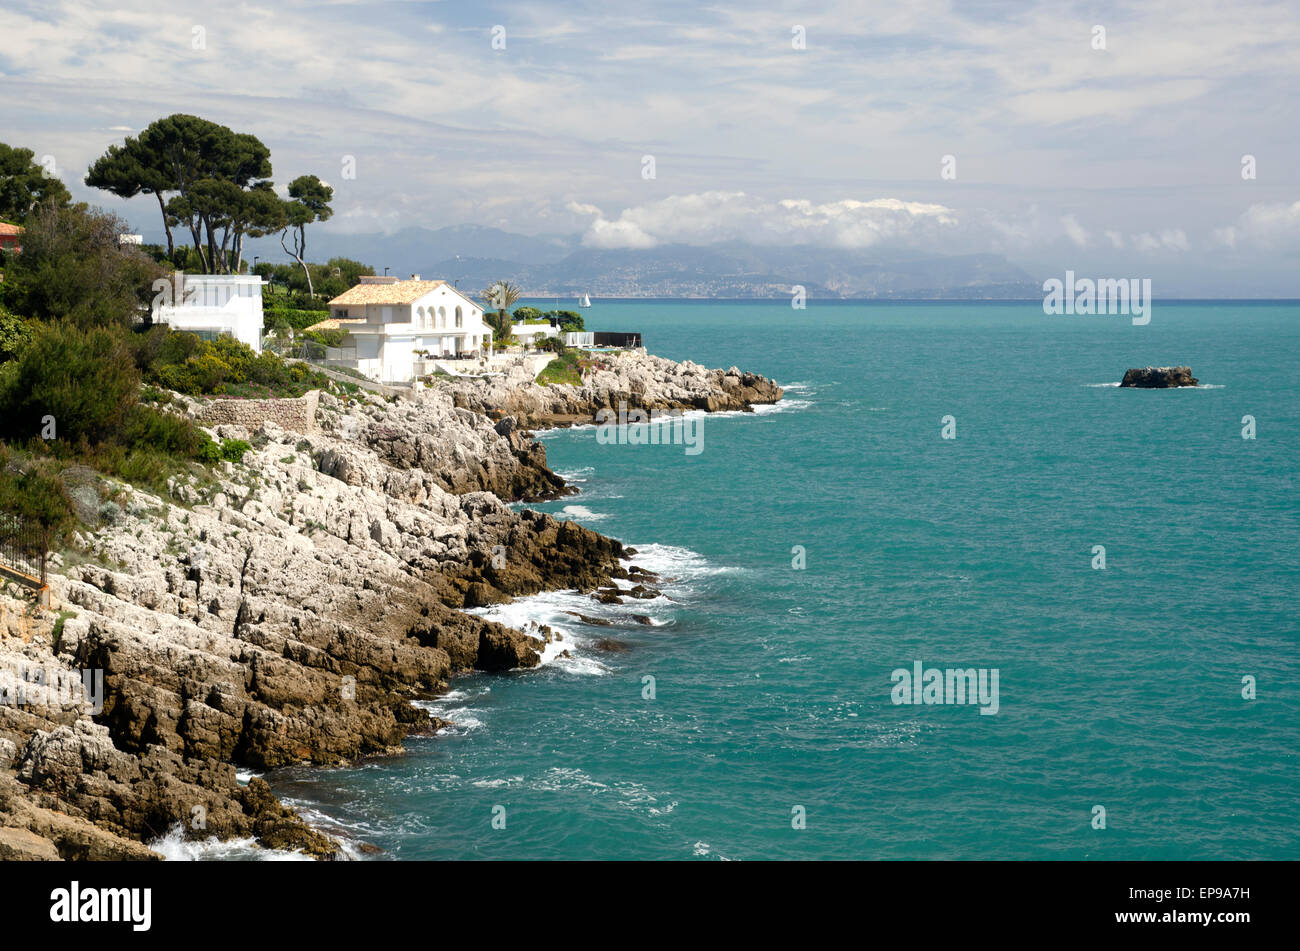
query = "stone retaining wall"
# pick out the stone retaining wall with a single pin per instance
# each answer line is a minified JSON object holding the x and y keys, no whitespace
{"x":298,"y":415}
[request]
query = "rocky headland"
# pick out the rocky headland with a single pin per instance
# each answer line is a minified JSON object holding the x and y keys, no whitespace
{"x":290,"y":608}
{"x":640,"y":380}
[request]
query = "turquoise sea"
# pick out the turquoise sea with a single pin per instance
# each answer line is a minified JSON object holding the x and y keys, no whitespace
{"x":1120,"y":688}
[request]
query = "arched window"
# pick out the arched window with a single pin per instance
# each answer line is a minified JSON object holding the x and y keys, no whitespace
{"x":420,"y":315}
{"x":458,"y":318}
{"x":442,"y":317}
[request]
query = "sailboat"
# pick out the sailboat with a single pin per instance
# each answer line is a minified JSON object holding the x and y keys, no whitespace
{"x":584,"y":301}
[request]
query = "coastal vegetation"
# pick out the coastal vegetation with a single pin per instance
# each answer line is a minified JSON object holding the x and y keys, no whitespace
{"x":498,"y":297}
{"x":570,"y":321}
{"x":73,"y":269}
{"x":24,"y":185}
{"x":222,"y":367}
{"x":569,"y":367}
{"x":83,"y":377}
{"x":216,"y":184}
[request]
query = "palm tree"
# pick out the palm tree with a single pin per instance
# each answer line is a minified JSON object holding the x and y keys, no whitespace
{"x":501,"y":295}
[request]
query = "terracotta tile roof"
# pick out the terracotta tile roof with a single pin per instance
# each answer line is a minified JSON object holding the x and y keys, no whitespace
{"x":399,"y":292}
{"x":336,"y":323}
{"x":10,"y":229}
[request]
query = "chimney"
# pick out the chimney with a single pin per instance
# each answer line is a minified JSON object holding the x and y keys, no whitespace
{"x":415,"y":277}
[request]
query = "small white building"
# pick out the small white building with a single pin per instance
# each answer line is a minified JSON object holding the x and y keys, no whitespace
{"x":528,"y":335}
{"x":397,"y":329}
{"x":214,"y":305}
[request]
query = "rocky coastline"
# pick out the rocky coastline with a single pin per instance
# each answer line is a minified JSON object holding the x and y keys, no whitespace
{"x":290,"y":608}
{"x":638,"y":379}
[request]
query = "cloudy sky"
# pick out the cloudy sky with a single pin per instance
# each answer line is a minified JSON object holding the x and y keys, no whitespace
{"x":1122,"y":160}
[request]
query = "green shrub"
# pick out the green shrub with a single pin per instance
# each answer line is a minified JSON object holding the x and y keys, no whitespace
{"x":326,"y":338}
{"x":221,"y":367}
{"x":162,"y":432}
{"x":73,"y":269}
{"x":15,"y":334}
{"x":296,"y":317}
{"x":208,"y":451}
{"x":34,"y":491}
{"x":85,"y":379}
{"x":552,"y":345}
{"x":570,"y":320}
{"x":232,"y":450}
{"x":563,"y":369}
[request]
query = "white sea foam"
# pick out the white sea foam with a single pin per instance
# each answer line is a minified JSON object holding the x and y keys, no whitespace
{"x":670,"y":561}
{"x":704,"y":850}
{"x":678,"y":568}
{"x":1200,"y":386}
{"x":576,"y":475}
{"x":497,"y":783}
{"x":785,"y":406}
{"x":582,"y":512}
{"x":174,"y":847}
{"x":463,"y":719}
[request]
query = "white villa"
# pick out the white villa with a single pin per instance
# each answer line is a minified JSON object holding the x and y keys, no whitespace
{"x":390,"y":321}
{"x":214,"y":305}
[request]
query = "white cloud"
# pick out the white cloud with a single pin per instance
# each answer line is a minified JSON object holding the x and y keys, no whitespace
{"x":1169,"y":239}
{"x":1268,"y":226}
{"x":714,"y":217}
{"x":1075,"y":231}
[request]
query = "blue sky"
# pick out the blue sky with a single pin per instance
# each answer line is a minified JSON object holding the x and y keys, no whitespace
{"x":1125,"y":160}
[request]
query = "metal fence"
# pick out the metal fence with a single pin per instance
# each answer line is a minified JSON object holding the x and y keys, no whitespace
{"x":24,"y":547}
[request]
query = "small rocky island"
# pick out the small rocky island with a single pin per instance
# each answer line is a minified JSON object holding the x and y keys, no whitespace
{"x":1158,"y":378}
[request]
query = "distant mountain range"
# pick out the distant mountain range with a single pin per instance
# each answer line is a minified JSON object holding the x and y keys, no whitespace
{"x":559,"y":266}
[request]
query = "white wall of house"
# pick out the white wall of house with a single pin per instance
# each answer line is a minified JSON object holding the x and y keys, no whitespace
{"x":213,"y":304}
{"x":529,"y":334}
{"x":441,"y":321}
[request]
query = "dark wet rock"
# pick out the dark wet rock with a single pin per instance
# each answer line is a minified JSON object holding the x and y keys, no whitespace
{"x":1151,"y":378}
{"x":593,"y":621}
{"x":504,"y":649}
{"x":609,"y":645}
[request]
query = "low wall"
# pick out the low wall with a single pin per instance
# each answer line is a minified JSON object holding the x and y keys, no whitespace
{"x":298,"y":415}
